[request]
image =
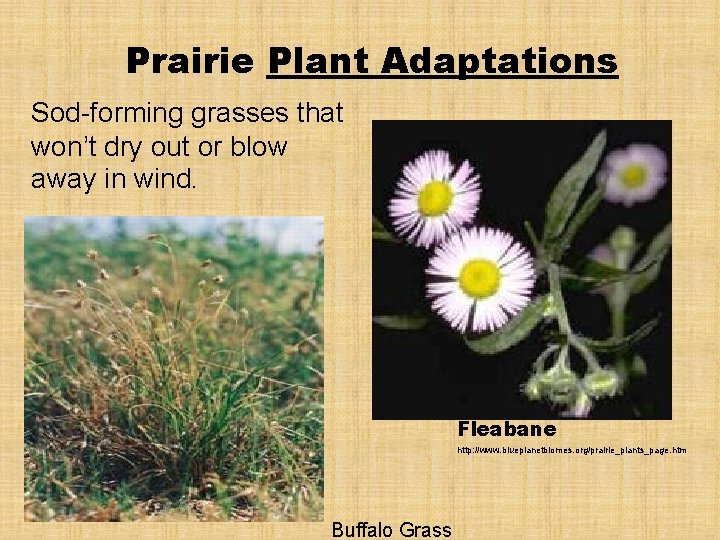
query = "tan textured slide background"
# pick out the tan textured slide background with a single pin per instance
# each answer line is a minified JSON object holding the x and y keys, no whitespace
{"x":391,"y":471}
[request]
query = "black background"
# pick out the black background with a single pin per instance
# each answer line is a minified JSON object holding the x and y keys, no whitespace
{"x":431,"y":374}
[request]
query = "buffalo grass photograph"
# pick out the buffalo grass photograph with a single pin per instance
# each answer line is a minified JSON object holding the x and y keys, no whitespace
{"x":174,"y":369}
{"x":522,"y":270}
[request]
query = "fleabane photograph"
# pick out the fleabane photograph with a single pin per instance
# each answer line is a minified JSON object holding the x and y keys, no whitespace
{"x":174,"y":369}
{"x":522,"y":270}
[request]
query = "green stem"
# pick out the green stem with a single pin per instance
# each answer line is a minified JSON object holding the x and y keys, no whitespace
{"x":556,"y":291}
{"x":564,"y":324}
{"x":619,"y":295}
{"x":618,"y":319}
{"x":562,"y":360}
{"x":540,"y":362}
{"x":586,"y":353}
{"x":618,"y":302}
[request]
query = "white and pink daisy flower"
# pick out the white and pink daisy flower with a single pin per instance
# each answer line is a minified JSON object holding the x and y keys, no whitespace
{"x":634,"y":174}
{"x":434,"y":198}
{"x":479,"y":279}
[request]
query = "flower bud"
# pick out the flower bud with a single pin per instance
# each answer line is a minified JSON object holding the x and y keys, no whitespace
{"x":548,"y":378}
{"x":563,"y":391}
{"x":533,"y":388}
{"x":601,"y":383}
{"x":638,"y":368}
{"x":560,"y":385}
{"x":623,"y":239}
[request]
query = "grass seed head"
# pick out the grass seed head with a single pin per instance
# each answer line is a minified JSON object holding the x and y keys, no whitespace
{"x":219,"y":278}
{"x":92,"y":254}
{"x":104,"y":274}
{"x":157,"y":293}
{"x":136,"y":271}
{"x":152,"y":237}
{"x":81,"y":284}
{"x":62,"y":292}
{"x":206,"y":263}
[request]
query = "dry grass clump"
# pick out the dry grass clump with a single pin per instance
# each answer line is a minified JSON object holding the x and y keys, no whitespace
{"x":169,"y":390}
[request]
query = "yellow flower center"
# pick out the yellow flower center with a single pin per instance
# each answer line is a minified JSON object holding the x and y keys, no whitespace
{"x":479,"y":278}
{"x":435,"y":198}
{"x":633,"y":176}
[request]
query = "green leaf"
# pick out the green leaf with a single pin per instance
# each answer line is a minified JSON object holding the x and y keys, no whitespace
{"x":596,"y":270}
{"x":385,"y":237}
{"x":648,"y":267}
{"x":402,"y":322}
{"x":592,"y":275}
{"x":379,"y":232}
{"x":533,"y":237}
{"x":612,"y":345}
{"x":578,"y":220}
{"x":565,"y":196}
{"x":514,"y":332}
